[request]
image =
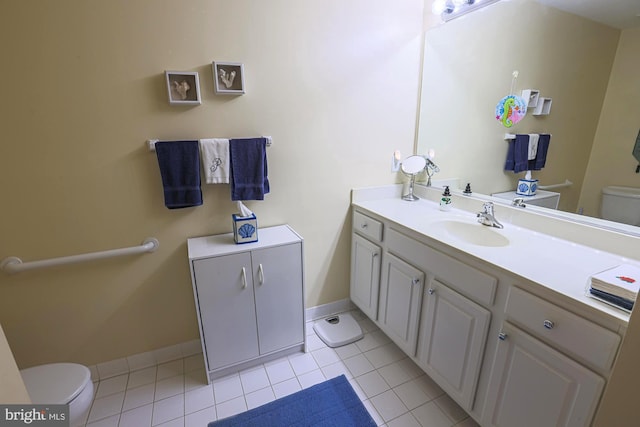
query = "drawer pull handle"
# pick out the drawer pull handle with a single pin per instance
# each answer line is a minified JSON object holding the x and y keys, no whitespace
{"x":244,"y":278}
{"x":415,"y":281}
{"x":261,"y":274}
{"x":502,"y":336}
{"x":548,"y":324}
{"x":431,"y":291}
{"x":364,"y":225}
{"x":375,"y":255}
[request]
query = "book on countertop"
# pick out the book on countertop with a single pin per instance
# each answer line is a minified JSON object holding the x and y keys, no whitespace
{"x":622,"y":281}
{"x":619,"y":302}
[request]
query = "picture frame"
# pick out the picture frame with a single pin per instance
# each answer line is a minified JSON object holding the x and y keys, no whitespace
{"x":228,"y":78}
{"x":183,"y":87}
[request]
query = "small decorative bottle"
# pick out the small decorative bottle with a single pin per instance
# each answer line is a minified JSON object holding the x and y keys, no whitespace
{"x":445,"y":201}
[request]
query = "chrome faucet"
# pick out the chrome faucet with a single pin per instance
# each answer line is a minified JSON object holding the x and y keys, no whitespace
{"x":486,"y":217}
{"x":518,"y":202}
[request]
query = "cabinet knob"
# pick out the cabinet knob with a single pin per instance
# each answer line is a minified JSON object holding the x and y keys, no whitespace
{"x":431,"y":291}
{"x":502,"y":336}
{"x":548,"y":324}
{"x":375,"y":254}
{"x":415,"y":281}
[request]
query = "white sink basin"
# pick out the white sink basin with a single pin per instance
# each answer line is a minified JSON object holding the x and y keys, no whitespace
{"x":475,"y":234}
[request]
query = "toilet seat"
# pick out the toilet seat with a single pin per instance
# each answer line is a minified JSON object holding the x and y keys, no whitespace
{"x":55,"y":383}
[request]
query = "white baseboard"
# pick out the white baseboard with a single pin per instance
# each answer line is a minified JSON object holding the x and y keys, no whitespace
{"x":324,"y":310}
{"x":139,"y":361}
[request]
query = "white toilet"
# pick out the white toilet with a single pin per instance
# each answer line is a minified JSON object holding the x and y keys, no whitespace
{"x":61,"y":383}
{"x":621,"y":204}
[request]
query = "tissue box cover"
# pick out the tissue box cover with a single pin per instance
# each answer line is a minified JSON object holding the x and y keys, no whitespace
{"x":527,"y":187}
{"x":245,"y":228}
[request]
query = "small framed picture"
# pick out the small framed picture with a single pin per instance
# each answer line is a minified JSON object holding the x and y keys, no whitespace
{"x":228,"y":78}
{"x":183,"y":87}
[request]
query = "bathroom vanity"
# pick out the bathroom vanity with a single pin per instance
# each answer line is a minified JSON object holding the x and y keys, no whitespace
{"x":249,"y":298}
{"x":498,"y":318}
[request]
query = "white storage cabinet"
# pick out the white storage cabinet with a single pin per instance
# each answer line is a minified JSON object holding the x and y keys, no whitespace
{"x":249,"y":298}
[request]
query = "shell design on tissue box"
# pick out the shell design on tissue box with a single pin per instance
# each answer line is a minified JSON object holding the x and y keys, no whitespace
{"x":245,"y":228}
{"x":527,"y":187}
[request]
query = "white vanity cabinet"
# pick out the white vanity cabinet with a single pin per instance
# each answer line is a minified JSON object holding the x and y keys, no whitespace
{"x":510,"y":351}
{"x":552,"y":360}
{"x":451,"y":328}
{"x":249,"y":298}
{"x":533,"y":385}
{"x":365,"y":264}
{"x":400,"y":301}
{"x":453,"y":334}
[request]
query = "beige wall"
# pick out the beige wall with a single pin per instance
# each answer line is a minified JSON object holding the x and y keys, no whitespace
{"x":468,"y":65}
{"x":611,"y":161}
{"x":335,"y":83}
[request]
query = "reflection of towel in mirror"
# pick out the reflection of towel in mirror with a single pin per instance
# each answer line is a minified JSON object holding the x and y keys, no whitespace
{"x":179,"y":163}
{"x":215,"y":160}
{"x":517,"y":154}
{"x":541,"y":154}
{"x":533,"y":146}
{"x":249,"y":180}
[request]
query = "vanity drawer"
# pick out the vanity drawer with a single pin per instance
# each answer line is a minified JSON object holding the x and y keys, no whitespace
{"x":465,"y":279}
{"x":367,"y":226}
{"x":583,"y":339}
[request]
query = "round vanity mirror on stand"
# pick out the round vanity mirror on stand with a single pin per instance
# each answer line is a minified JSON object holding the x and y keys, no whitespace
{"x":412,"y":166}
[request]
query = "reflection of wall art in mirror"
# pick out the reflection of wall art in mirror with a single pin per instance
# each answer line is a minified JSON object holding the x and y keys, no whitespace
{"x":228,"y":78}
{"x":183,"y":87}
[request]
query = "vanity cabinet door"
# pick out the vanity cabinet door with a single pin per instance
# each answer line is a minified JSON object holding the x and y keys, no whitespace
{"x":227,"y":309}
{"x":277,"y":278}
{"x":453,"y":333}
{"x":365,"y":275}
{"x":533,"y":385}
{"x":400,"y":302}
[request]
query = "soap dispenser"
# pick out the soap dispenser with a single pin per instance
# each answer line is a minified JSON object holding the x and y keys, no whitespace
{"x":445,"y":200}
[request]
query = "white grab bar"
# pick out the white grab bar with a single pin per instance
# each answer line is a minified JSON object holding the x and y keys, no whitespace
{"x":566,"y":183}
{"x":15,"y":265}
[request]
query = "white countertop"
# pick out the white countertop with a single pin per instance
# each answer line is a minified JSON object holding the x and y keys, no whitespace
{"x":549,"y":261}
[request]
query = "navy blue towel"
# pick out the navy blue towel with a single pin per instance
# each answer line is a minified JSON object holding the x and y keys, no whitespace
{"x":541,"y":155}
{"x":248,"y":164}
{"x":517,"y":154}
{"x":179,"y":163}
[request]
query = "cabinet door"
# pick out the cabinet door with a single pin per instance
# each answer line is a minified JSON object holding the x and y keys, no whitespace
{"x":533,"y":385}
{"x":277,"y":277}
{"x":453,"y":333}
{"x":400,"y":301}
{"x":226,"y":305}
{"x":365,"y":275}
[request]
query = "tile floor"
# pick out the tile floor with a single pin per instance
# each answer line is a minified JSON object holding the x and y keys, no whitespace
{"x":394,"y":390}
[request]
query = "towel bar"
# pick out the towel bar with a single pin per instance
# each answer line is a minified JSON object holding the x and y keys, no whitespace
{"x":508,"y":136}
{"x":151,"y":143}
{"x":15,"y":264}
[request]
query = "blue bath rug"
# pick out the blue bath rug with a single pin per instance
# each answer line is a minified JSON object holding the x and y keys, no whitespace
{"x":328,"y":404}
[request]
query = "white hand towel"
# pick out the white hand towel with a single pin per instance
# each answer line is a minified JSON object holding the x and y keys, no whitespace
{"x":533,"y":146}
{"x":215,"y":160}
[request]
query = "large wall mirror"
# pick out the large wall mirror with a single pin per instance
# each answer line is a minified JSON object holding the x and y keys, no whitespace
{"x":588,"y":66}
